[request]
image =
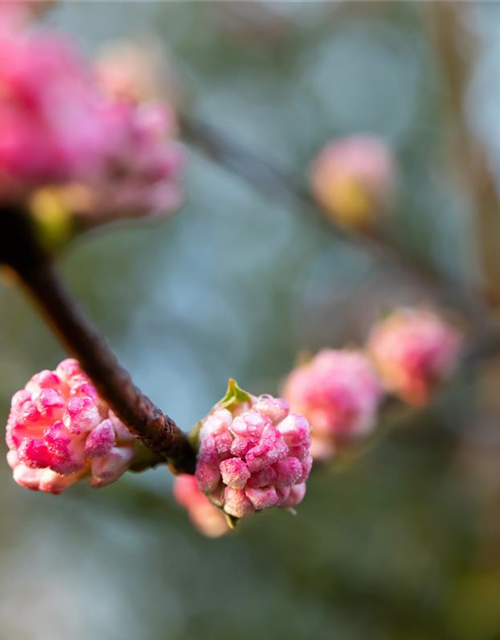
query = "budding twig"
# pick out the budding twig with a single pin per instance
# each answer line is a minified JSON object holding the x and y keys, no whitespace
{"x":270,"y":180}
{"x":20,"y":250}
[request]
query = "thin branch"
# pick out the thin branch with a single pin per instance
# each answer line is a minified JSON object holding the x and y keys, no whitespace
{"x":268,"y":179}
{"x":455,"y":48}
{"x":19,"y":249}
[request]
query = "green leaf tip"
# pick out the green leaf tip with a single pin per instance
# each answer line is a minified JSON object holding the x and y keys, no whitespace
{"x":194,"y":436}
{"x":234,"y":395}
{"x":231,"y":521}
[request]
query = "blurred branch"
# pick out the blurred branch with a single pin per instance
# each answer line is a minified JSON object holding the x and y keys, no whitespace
{"x":20,"y":250}
{"x":456,"y":49}
{"x":271,"y":181}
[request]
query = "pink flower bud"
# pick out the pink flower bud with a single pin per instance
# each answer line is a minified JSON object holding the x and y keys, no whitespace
{"x":353,"y":179}
{"x":295,"y":495}
{"x":339,"y":393}
{"x":234,"y":472}
{"x":414,"y":350}
{"x":264,"y":453}
{"x":59,"y":431}
{"x":205,"y":516}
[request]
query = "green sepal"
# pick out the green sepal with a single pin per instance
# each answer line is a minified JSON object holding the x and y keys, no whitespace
{"x":234,"y":395}
{"x":194,"y":436}
{"x":232,"y":521}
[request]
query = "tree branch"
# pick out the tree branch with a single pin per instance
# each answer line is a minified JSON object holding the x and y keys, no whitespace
{"x":268,"y":179}
{"x":455,"y":48}
{"x":20,"y":249}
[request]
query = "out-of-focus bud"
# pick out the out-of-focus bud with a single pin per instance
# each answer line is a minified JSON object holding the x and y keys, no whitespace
{"x":59,"y":431}
{"x":253,"y":454}
{"x":137,"y":72}
{"x":353,"y":180}
{"x":204,"y":515}
{"x":414,"y":350}
{"x":338,"y":391}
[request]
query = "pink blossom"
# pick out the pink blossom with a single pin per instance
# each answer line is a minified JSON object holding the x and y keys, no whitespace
{"x":101,"y":156}
{"x":339,"y":393}
{"x":414,"y":350}
{"x":253,"y":454}
{"x":59,"y":432}
{"x":143,"y":166}
{"x":205,"y":516}
{"x":353,"y":179}
{"x":51,"y":126}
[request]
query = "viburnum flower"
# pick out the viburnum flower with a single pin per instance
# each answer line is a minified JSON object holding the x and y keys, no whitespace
{"x":414,"y":350}
{"x":338,"y":391}
{"x":59,"y":431}
{"x":204,"y":515}
{"x":101,"y":156}
{"x":143,"y":166}
{"x":353,"y":179}
{"x":253,"y":454}
{"x":51,"y":127}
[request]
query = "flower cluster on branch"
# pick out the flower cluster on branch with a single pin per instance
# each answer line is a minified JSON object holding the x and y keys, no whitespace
{"x":84,"y":140}
{"x":59,"y":431}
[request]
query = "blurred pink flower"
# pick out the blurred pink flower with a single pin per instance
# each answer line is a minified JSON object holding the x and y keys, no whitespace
{"x":143,"y":166}
{"x":414,"y":350}
{"x":338,"y":392}
{"x":60,"y":129}
{"x":205,"y":516}
{"x":51,"y":125}
{"x":253,"y":454}
{"x":59,"y":432}
{"x":353,"y":179}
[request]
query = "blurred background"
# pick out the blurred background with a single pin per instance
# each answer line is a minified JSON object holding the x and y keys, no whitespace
{"x":402,"y":544}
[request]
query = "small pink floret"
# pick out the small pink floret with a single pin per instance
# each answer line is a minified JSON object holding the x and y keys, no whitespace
{"x":234,"y":473}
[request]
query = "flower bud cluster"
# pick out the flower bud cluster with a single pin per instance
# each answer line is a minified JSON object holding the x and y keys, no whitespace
{"x":253,"y":454}
{"x":59,"y":431}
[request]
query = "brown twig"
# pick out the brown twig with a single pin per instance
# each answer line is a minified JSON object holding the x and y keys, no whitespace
{"x":20,"y":250}
{"x":268,"y":179}
{"x":455,"y":48}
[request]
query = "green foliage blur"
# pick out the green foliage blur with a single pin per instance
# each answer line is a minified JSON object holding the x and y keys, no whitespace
{"x":404,"y":543}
